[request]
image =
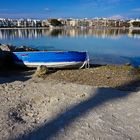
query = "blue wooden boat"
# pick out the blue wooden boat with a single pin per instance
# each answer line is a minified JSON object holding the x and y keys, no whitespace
{"x":52,"y":59}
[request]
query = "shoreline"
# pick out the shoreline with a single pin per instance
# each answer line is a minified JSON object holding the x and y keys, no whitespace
{"x":97,"y":75}
{"x":96,"y":28}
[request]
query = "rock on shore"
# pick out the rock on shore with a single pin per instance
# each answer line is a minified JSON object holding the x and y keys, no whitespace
{"x":5,"y":54}
{"x":41,"y":71}
{"x":11,"y":48}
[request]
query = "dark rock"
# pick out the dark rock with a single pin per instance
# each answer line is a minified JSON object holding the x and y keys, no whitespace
{"x":24,"y":48}
{"x":10,"y":48}
{"x":6,"y":60}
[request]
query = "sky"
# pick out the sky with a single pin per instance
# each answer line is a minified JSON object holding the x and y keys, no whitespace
{"x":42,"y":9}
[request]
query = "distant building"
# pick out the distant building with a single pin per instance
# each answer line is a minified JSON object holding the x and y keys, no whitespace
{"x":71,"y":22}
{"x":21,"y":23}
{"x":45,"y":23}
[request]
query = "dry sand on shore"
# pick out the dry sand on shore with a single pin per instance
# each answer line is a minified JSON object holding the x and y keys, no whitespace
{"x":87,"y":104}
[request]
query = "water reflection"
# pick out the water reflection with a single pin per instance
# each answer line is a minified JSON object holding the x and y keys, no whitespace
{"x":98,"y":33}
{"x":134,"y":33}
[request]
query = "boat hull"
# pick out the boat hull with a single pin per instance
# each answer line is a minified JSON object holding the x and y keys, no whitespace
{"x":50,"y":59}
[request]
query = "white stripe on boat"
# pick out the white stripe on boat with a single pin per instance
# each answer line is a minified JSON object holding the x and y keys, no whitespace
{"x":53,"y":64}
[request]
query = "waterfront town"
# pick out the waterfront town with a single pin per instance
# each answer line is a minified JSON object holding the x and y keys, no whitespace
{"x":76,"y":23}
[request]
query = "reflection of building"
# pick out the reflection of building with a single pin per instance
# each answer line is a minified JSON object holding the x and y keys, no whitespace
{"x":34,"y":33}
{"x":19,"y":33}
{"x":134,"y":33}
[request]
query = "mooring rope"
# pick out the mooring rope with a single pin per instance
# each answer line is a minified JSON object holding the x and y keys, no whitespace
{"x":86,"y":62}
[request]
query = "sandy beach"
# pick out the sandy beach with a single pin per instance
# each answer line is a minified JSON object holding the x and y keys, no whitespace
{"x":87,"y":104}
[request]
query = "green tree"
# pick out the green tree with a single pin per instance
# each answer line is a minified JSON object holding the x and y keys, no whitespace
{"x":136,"y":24}
{"x":55,"y":22}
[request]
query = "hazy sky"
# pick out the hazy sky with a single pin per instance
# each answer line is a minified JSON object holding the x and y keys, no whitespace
{"x":69,"y":8}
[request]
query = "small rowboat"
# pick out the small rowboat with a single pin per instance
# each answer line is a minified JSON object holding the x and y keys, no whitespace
{"x":52,"y":59}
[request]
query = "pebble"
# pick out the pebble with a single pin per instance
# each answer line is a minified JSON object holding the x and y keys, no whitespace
{"x":30,"y":114}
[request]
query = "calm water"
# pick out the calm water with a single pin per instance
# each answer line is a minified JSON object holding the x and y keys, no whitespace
{"x":104,"y":46}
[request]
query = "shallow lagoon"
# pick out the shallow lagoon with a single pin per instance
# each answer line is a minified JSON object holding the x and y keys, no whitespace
{"x":104,"y":46}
